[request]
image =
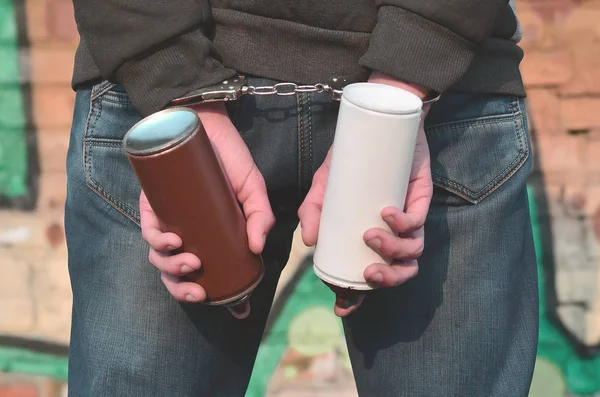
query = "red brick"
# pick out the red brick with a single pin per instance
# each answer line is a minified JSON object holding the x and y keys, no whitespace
{"x":594,"y":134}
{"x":592,"y":199}
{"x":51,"y":64}
{"x":53,"y":106}
{"x":583,"y":20}
{"x":53,"y":191}
{"x":586,"y":67}
{"x":560,"y":154}
{"x":543,"y":110}
{"x":18,"y":391}
{"x":596,"y":224}
{"x":52,"y":149}
{"x":61,"y":20}
{"x":37,"y":30}
{"x":553,"y":10}
{"x":564,"y":177}
{"x":580,"y":113}
{"x":592,"y":148}
{"x":546,"y":68}
{"x":536,"y":33}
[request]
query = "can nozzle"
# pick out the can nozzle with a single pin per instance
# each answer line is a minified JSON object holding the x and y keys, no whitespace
{"x":240,"y":308}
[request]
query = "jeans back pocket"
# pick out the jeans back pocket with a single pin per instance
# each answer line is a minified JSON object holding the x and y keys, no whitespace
{"x":107,"y":170}
{"x":476,"y":143}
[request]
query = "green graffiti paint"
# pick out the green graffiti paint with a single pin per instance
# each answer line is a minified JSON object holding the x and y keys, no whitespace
{"x":558,"y":367}
{"x":314,"y":331}
{"x":582,"y":375}
{"x":27,"y":362}
{"x":548,"y":381}
{"x":309,"y":296}
{"x":13,"y":143}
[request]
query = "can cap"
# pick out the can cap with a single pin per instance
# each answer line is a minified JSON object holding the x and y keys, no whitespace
{"x":382,"y":98}
{"x":160,"y":131}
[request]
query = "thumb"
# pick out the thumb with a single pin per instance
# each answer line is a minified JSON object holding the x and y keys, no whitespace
{"x":310,"y":210}
{"x":257,"y":209}
{"x":310,"y":216}
{"x":258,"y":225}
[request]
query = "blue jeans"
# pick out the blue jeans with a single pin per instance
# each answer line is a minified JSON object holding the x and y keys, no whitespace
{"x":466,"y":326}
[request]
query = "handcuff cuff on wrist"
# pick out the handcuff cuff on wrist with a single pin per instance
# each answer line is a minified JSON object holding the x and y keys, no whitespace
{"x":232,"y":89}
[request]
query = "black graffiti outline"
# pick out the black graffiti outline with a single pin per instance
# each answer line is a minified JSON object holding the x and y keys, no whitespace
{"x":537,"y":179}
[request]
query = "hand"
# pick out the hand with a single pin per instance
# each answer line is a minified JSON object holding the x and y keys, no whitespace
{"x":250,"y":189}
{"x":403,"y":247}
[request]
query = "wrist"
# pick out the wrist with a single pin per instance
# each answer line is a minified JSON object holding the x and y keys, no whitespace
{"x":214,"y":118}
{"x":382,"y":78}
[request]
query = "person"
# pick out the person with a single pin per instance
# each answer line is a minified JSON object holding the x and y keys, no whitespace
{"x":455,"y":315}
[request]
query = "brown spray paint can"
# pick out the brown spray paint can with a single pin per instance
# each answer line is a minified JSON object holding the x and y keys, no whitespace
{"x":188,"y":190}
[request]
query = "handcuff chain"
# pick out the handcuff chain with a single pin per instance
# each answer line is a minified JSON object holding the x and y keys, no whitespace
{"x":288,"y":89}
{"x":231,"y":91}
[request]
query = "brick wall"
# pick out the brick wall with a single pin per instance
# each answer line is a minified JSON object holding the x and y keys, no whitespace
{"x":35,"y":298}
{"x":30,"y":386}
{"x":53,"y":38}
{"x":562,"y":73}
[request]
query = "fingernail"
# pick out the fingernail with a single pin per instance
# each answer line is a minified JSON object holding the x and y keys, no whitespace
{"x":190,"y":298}
{"x":377,"y":278}
{"x":389,"y":219}
{"x":186,"y":269}
{"x":170,"y":247}
{"x":374,"y":243}
{"x":264,"y":239}
{"x":346,"y":303}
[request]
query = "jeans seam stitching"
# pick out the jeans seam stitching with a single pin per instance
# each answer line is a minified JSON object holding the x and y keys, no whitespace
{"x":453,"y":125}
{"x":88,"y":144}
{"x":461,"y":124}
{"x":115,"y":98}
{"x":310,"y":136}
{"x":105,"y":142}
{"x":120,"y":206}
{"x":510,"y":170}
{"x":301,"y":141}
{"x":100,"y":88}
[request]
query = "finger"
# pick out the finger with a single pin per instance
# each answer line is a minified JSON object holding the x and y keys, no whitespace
{"x":382,"y":275}
{"x":310,"y":216}
{"x":175,"y":265}
{"x":343,"y":308}
{"x":392,"y":246}
{"x":183,"y":291}
{"x":418,"y":195}
{"x":163,"y":242}
{"x":240,"y":311}
{"x":257,"y":209}
{"x":151,"y":233}
{"x":312,"y":206}
{"x":400,"y":222}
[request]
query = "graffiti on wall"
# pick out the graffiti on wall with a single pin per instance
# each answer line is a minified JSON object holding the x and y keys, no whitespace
{"x":304,"y":341}
{"x":569,"y":283}
{"x":19,"y":167}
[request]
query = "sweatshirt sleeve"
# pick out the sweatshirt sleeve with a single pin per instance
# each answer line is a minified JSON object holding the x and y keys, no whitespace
{"x":429,"y":42}
{"x":158,"y":50}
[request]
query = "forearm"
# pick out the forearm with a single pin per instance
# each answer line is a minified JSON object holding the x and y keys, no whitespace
{"x":430,"y":43}
{"x":157,"y":49}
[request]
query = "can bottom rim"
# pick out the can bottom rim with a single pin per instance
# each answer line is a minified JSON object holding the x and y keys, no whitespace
{"x":238,"y":301}
{"x":241,"y":298}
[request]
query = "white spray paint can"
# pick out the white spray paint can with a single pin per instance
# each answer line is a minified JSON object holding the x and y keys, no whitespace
{"x":370,"y":168}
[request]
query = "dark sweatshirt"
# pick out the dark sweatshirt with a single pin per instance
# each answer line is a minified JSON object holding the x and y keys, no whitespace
{"x":162,"y":49}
